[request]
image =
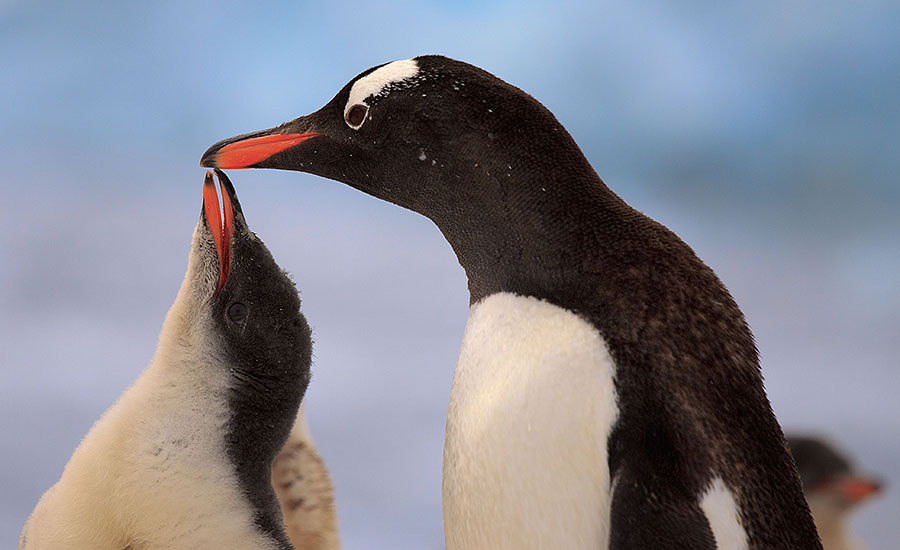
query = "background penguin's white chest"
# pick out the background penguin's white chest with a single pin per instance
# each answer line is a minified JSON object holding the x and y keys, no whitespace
{"x":531,"y":408}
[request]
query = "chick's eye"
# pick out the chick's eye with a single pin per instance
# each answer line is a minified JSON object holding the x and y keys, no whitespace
{"x":237,"y":312}
{"x":356,"y":115}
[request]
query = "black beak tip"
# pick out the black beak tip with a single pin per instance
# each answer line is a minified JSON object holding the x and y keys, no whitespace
{"x":208,"y":160}
{"x":226,"y":181}
{"x":232,"y":194}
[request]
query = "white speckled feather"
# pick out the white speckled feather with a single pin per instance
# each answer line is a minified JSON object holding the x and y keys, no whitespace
{"x":380,"y":79}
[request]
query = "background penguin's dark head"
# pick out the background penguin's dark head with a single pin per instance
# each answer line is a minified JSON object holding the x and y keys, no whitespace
{"x":829,"y":478}
{"x":239,"y":311}
{"x":431,"y":134}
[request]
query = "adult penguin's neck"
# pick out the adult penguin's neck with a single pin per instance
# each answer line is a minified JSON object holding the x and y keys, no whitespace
{"x":533,"y":231}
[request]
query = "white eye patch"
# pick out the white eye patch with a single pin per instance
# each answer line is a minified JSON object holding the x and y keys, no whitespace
{"x":379,"y":82}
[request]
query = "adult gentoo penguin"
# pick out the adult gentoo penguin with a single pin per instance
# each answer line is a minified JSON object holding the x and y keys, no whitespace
{"x":183,"y":459}
{"x":608,"y":391}
{"x":834,"y":488}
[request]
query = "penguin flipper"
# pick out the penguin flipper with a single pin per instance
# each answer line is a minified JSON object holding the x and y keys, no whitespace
{"x":644,"y":517}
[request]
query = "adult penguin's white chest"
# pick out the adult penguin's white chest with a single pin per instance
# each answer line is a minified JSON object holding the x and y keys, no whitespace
{"x":531,"y":408}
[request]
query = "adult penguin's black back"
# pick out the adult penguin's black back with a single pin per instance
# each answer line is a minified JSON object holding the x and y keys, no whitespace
{"x":608,"y":391}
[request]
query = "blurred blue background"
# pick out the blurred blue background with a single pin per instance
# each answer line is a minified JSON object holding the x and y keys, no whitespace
{"x":766,"y":134}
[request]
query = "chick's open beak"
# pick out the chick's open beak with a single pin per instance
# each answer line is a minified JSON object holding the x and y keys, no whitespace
{"x":221,"y":224}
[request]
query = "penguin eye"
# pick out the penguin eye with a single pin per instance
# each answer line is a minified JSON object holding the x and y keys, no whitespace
{"x":356,"y":115}
{"x":237,"y":312}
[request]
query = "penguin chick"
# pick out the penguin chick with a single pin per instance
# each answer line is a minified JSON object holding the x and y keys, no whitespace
{"x":833,"y":488}
{"x":183,"y":459}
{"x":305,"y":492}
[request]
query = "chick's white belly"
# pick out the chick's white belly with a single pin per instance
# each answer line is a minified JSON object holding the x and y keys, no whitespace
{"x":531,"y":409}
